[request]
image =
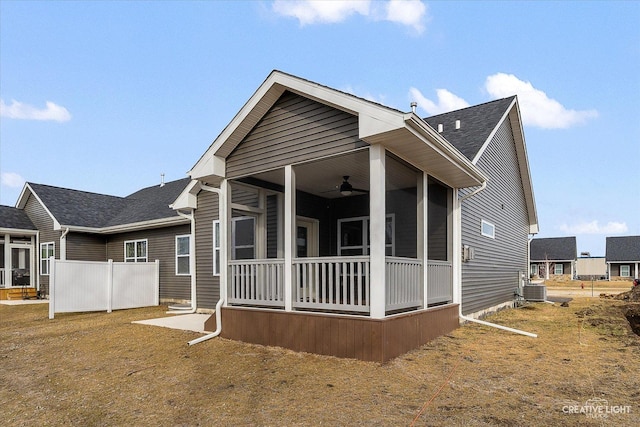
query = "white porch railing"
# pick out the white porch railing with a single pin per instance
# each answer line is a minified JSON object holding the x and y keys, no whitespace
{"x":337,"y":283}
{"x":404,"y":283}
{"x":256,"y":282}
{"x":332,"y":283}
{"x":440,"y":282}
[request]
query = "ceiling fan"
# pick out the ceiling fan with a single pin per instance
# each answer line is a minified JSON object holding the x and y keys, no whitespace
{"x":346,"y":188}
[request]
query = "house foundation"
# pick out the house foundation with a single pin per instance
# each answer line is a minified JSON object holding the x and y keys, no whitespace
{"x":355,"y":337}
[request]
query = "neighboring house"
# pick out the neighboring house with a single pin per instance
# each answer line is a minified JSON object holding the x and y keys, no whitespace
{"x":623,"y":257}
{"x":17,"y":252}
{"x":79,"y":225}
{"x":588,"y":267}
{"x":553,"y":257}
{"x":330,"y":224}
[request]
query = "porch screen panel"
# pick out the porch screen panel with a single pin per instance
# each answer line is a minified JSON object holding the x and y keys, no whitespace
{"x":272,"y":226}
{"x":437,"y":221}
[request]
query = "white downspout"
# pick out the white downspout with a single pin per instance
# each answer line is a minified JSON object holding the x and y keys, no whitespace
{"x":471,"y":319}
{"x":222,"y":294}
{"x":218,"y":325}
{"x":192,"y":264}
{"x":63,"y":244}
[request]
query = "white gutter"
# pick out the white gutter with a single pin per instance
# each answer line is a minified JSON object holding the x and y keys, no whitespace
{"x":482,"y":322}
{"x":192,"y":264}
{"x":218,"y":326}
{"x":221,"y":300}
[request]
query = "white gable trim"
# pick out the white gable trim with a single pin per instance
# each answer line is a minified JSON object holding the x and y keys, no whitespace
{"x":22,"y":202}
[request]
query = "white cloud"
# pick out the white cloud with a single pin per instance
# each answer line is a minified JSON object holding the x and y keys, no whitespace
{"x":11,"y":180}
{"x":410,"y":13}
{"x":19,"y":110}
{"x":447,"y":101}
{"x":318,"y":11}
{"x":536,"y":107}
{"x":594,"y":227}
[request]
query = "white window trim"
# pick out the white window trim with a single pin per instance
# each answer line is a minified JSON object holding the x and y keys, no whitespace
{"x":187,"y":255}
{"x":216,"y":267}
{"x":628,"y":270}
{"x":555,"y":269}
{"x":493,"y":227}
{"x":365,"y":234}
{"x":46,"y":261}
{"x":136,"y":258}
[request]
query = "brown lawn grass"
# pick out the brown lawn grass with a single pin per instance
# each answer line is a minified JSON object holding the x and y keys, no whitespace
{"x":100,"y":369}
{"x":597,"y":284}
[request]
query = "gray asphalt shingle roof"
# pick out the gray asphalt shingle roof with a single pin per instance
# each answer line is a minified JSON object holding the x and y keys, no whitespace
{"x":15,"y":218}
{"x":623,"y":248}
{"x":554,"y":249}
{"x":85,"y":209}
{"x":476,"y":124}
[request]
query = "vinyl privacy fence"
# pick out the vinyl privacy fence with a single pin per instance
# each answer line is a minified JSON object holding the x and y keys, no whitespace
{"x":77,"y":286}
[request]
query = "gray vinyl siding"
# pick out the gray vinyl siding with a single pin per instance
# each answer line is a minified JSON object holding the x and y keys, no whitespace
{"x":492,"y":277}
{"x":86,"y":247}
{"x":294,"y":130}
{"x":43,"y":222}
{"x":161,"y":245}
{"x":208,"y":285}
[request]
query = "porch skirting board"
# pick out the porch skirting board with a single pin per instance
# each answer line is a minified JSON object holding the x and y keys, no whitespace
{"x":375,"y":340}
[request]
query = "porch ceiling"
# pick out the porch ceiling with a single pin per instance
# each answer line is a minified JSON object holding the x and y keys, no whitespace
{"x":323,"y":177}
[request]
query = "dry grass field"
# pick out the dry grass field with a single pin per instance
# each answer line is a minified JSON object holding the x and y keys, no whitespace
{"x":99,"y":369}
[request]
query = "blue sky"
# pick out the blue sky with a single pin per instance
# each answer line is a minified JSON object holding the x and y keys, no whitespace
{"x":106,"y":96}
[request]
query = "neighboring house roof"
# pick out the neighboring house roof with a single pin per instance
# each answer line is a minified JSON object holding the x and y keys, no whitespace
{"x":553,"y":249}
{"x":15,"y":219}
{"x":405,"y":133}
{"x":86,"y":211}
{"x":623,"y":248}
{"x":477,"y":123}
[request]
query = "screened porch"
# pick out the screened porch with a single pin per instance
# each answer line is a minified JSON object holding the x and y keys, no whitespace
{"x":360,"y":233}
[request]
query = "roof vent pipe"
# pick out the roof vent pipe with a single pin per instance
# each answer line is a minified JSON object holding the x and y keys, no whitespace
{"x":414,"y":104}
{"x":161,"y":180}
{"x":457,"y":124}
{"x":440,"y":128}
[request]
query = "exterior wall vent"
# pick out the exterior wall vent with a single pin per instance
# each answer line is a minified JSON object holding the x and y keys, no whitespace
{"x":457,"y":124}
{"x":440,"y":128}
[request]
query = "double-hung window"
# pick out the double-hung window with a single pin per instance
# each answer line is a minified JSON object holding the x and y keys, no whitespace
{"x":625,"y":270}
{"x":135,"y":251}
{"x":182,"y":255}
{"x":558,"y":269}
{"x":216,"y":247}
{"x":47,"y":250}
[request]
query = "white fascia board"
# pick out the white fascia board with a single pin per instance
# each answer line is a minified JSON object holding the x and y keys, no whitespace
{"x":188,"y":199}
{"x":22,"y":201}
{"x":15,"y":231}
{"x":155,"y":223}
{"x":444,"y":147}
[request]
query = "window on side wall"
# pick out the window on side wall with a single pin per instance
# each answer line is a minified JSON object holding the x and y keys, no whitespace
{"x":47,"y":250}
{"x":135,"y":251}
{"x":216,"y":248}
{"x":182,"y":255}
{"x":487,"y":229}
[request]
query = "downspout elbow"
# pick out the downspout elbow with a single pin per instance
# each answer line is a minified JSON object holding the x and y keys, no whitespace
{"x":218,"y":326}
{"x":493,"y":325}
{"x":474,"y":192}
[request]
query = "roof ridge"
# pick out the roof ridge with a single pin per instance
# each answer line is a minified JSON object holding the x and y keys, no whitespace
{"x":74,"y":189}
{"x":471,"y":106}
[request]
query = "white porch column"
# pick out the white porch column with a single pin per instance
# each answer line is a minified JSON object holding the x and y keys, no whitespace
{"x":636,"y":271}
{"x":456,"y":256}
{"x":224,"y":216}
{"x":423,"y":223}
{"x":289,"y":234}
{"x":377,"y":215}
{"x":7,"y":260}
